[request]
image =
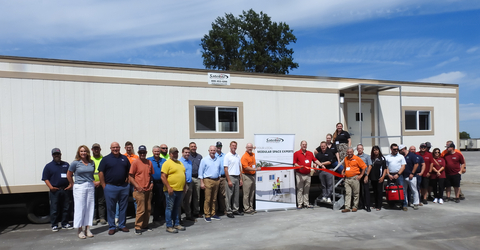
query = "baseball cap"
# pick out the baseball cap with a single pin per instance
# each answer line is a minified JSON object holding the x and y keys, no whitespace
{"x":173,"y":150}
{"x":56,"y":150}
{"x":423,"y":145}
{"x":142,"y":148}
{"x":219,"y":144}
{"x":401,"y":147}
{"x":96,"y":145}
{"x":428,"y":144}
{"x":451,"y":145}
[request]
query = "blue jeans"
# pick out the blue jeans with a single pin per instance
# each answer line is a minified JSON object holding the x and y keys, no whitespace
{"x":114,"y":194}
{"x":59,"y":207}
{"x":172,"y":209}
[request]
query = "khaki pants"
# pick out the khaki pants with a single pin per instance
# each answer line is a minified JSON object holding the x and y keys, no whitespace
{"x":220,"y":205}
{"x":211,"y":190}
{"x":303,"y":188}
{"x":352,"y":186}
{"x":187,"y":199}
{"x":248,"y":192}
{"x":144,"y":206}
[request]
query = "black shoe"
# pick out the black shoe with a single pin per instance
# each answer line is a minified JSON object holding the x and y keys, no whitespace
{"x":425,"y":202}
{"x":238,"y":213}
{"x":368,"y":209}
{"x":457,"y":200}
{"x":138,"y":232}
{"x":230,"y":216}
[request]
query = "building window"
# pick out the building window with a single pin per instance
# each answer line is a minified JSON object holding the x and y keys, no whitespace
{"x":216,"y":119}
{"x":259,"y":178}
{"x":271,"y":177}
{"x":418,"y":120}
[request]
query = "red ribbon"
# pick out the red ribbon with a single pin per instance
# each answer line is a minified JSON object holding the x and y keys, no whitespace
{"x":289,"y":168}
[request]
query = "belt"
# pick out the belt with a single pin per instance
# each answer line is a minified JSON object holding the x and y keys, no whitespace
{"x":195,"y":175}
{"x":157,"y":181}
{"x":215,"y":179}
{"x":352,"y":177}
{"x":223,"y":176}
{"x":249,"y":174}
{"x":116,"y":184}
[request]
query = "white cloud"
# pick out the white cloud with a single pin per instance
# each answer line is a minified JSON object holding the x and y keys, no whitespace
{"x":122,"y":24}
{"x":454,"y":59}
{"x":469,"y":112}
{"x":473,"y":49}
{"x":450,"y":77}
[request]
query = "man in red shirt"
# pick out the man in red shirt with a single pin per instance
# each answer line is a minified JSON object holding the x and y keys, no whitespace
{"x":303,"y":158}
{"x":454,"y":166}
{"x":427,"y":158}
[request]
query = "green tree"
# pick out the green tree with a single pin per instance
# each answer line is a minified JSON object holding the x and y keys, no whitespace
{"x":250,"y":42}
{"x":464,"y":135}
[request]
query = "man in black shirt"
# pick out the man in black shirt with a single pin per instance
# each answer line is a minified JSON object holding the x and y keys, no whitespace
{"x":325,"y":157}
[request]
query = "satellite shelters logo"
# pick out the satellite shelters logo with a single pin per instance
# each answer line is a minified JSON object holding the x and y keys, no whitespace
{"x":275,"y":140}
{"x":218,"y":76}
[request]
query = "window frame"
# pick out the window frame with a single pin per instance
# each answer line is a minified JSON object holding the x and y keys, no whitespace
{"x":215,"y":134}
{"x":418,"y":109}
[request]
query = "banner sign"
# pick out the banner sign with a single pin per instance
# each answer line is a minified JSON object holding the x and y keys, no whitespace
{"x":218,"y":79}
{"x":277,"y":185}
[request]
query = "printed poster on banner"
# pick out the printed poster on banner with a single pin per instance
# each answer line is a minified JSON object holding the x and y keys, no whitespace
{"x":275,"y":186}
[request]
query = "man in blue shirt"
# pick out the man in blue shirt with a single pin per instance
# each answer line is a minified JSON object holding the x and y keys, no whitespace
{"x":113,"y":174}
{"x":158,"y":198}
{"x":187,"y":196}
{"x":209,"y":175}
{"x":409,"y":175}
{"x":55,"y":176}
{"x":220,"y":207}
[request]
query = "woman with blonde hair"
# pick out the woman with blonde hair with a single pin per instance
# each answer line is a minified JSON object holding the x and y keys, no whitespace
{"x":342,"y":140}
{"x":83,"y":169}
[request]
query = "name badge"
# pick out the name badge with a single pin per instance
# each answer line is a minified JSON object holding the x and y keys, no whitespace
{"x":63,"y":175}
{"x":337,"y":142}
{"x":348,"y":168}
{"x":253,"y":166}
{"x":307,"y":161}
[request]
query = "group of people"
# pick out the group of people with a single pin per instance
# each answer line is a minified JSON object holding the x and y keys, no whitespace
{"x":168,"y":182}
{"x":420,"y":173}
{"x":165,"y":183}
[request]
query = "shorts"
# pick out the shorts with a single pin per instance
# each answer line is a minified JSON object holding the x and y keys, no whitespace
{"x":453,"y":180}
{"x":425,"y":182}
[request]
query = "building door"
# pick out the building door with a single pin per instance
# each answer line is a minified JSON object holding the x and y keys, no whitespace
{"x":353,"y":123}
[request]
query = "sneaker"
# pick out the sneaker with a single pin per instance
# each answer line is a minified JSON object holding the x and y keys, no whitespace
{"x":215,"y":217}
{"x":415,"y":207}
{"x":329,"y":200}
{"x":67,"y":226}
{"x":425,"y":202}
{"x":103,"y":222}
{"x":138,"y":232}
{"x":207,"y":219}
{"x":457,"y":200}
{"x":462,"y":196}
{"x":447,"y":199}
{"x":180,"y":228}
{"x":238,"y":213}
{"x":435,"y":200}
{"x":299,"y":207}
{"x":419,"y":204}
{"x":95,"y":222}
{"x":230,"y":216}
{"x":324,"y":199}
{"x":172,"y":230}
{"x":405,"y":209}
{"x":440,"y":201}
{"x":147,"y":229}
{"x":55,"y":229}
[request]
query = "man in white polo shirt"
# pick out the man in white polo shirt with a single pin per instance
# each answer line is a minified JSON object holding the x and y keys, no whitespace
{"x":396,"y":165}
{"x":233,"y":180}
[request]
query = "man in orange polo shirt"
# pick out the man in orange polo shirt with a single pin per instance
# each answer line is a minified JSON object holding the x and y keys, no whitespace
{"x":129,"y":153}
{"x":249,"y":170}
{"x":303,"y":158}
{"x":353,"y":171}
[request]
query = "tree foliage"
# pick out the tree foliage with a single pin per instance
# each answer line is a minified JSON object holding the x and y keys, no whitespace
{"x":250,"y":42}
{"x":464,"y":135}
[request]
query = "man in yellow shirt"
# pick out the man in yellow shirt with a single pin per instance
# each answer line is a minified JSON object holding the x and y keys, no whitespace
{"x":100,"y":211}
{"x":173,"y":178}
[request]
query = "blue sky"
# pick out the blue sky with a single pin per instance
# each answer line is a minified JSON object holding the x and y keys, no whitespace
{"x":405,"y":40}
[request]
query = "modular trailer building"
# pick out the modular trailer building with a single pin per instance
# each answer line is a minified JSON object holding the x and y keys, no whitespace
{"x":48,"y":103}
